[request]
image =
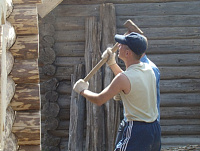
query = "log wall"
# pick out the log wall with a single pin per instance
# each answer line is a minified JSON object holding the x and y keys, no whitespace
{"x":20,"y":97}
{"x":172,"y":27}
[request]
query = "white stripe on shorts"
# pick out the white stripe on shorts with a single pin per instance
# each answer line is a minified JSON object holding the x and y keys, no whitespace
{"x":128,"y":136}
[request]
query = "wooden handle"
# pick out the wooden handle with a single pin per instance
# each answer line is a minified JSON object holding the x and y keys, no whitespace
{"x":131,"y":28}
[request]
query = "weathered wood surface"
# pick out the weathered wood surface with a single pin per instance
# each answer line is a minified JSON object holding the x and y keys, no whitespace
{"x":75,"y":36}
{"x":9,"y":120}
{"x":181,"y":130}
{"x":64,"y":87}
{"x":25,"y":47}
{"x":29,"y":148}
{"x":27,"y":128}
{"x":180,"y":72}
{"x":112,"y":110}
{"x":70,"y":10}
{"x":22,"y":2}
{"x":179,"y":140}
{"x":174,"y":8}
{"x":180,"y":86}
{"x":192,"y":59}
{"x":51,"y":123}
{"x":49,"y":70}
{"x":191,"y":20}
{"x":47,"y":56}
{"x":180,"y":112}
{"x":9,"y":62}
{"x":25,"y":71}
{"x":9,"y":35}
{"x":77,"y":114}
{"x":66,"y":61}
{"x":51,"y":140}
{"x":166,"y":33}
{"x":50,"y":109}
{"x":118,"y":1}
{"x":179,"y":99}
{"x":59,"y":133}
{"x":24,"y":19}
{"x":70,"y":49}
{"x":26,"y":97}
{"x":173,"y":122}
{"x":51,"y":96}
{"x":10,"y":90}
{"x":11,"y":143}
{"x":47,"y":6}
{"x":95,"y":114}
{"x":49,"y":85}
{"x":69,"y":23}
{"x":173,"y":46}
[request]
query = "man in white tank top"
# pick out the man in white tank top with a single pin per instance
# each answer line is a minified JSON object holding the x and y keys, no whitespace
{"x":137,"y":88}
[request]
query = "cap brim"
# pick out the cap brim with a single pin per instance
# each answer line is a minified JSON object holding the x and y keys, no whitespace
{"x":120,"y":39}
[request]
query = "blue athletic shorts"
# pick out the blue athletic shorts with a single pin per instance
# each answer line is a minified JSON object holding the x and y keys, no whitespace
{"x":140,"y":136}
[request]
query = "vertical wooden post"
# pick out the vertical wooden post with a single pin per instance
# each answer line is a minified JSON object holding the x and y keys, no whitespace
{"x":95,"y":115}
{"x":77,"y":114}
{"x":112,"y":110}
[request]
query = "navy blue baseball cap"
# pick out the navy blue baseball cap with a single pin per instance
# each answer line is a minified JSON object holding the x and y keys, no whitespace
{"x":136,"y":42}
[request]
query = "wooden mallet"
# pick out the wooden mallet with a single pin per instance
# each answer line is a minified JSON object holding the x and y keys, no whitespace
{"x":131,"y":28}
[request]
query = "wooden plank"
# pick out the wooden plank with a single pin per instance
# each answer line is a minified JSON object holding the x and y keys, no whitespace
{"x":111,"y":107}
{"x":77,"y":114}
{"x":25,"y":71}
{"x":119,"y":1}
{"x":75,"y":36}
{"x":166,"y":33}
{"x":173,"y":46}
{"x":69,"y":23}
{"x":180,"y":130}
{"x":71,"y":10}
{"x":26,"y":97}
{"x":178,"y":20}
{"x":179,"y":99}
{"x":68,"y":61}
{"x":174,"y":8}
{"x":29,"y":148}
{"x":187,"y":72}
{"x":25,"y":47}
{"x":180,"y":112}
{"x":24,"y":19}
{"x":180,"y":86}
{"x":176,"y":59}
{"x":15,"y":2}
{"x":47,"y":6}
{"x":178,"y":140}
{"x":27,"y":128}
{"x":70,"y":49}
{"x":171,"y":122}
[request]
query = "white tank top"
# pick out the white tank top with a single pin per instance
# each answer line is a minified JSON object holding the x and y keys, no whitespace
{"x":140,"y":104}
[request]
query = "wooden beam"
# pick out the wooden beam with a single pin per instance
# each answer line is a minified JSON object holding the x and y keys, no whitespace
{"x":27,"y":128}
{"x":25,"y":71}
{"x":25,"y":47}
{"x":26,"y":97}
{"x":47,"y":6}
{"x":21,"y":2}
{"x":24,"y":19}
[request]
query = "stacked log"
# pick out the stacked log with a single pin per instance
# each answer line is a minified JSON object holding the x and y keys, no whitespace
{"x":50,"y":115}
{"x":20,"y":83}
{"x":8,"y":139}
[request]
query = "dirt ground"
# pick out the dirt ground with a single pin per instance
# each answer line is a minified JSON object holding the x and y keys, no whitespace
{"x":185,"y":148}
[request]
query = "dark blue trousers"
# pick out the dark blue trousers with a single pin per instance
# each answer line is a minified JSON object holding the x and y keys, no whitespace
{"x":138,"y":136}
